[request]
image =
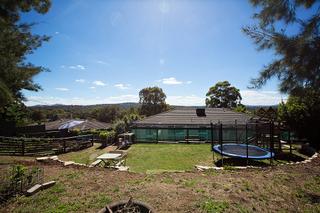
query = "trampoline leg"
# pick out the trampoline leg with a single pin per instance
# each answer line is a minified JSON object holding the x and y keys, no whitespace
{"x":221,"y":160}
{"x":213,"y":158}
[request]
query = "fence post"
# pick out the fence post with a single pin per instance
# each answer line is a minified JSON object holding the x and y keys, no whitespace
{"x":157,"y":135}
{"x":64,"y":146}
{"x":221,"y":142}
{"x":211,"y":129}
{"x":92,"y":140}
{"x":289,"y":138}
{"x":235,"y":123}
{"x":23,"y":146}
{"x":247,"y":142}
{"x":187,"y":135}
{"x":271,"y":140}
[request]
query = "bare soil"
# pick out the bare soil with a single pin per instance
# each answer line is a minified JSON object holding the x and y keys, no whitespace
{"x":289,"y":188}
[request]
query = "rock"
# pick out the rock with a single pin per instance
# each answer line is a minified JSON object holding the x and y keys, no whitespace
{"x":67,"y":163}
{"x":48,"y":184}
{"x":42,"y":158}
{"x":54,"y":157}
{"x":34,"y":189}
{"x":123,"y":168}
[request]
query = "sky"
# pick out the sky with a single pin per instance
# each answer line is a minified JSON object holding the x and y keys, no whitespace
{"x":104,"y":52}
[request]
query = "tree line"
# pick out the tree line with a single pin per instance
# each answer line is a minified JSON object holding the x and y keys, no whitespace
{"x":296,"y":64}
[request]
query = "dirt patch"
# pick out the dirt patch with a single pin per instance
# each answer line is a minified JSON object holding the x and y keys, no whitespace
{"x":286,"y":188}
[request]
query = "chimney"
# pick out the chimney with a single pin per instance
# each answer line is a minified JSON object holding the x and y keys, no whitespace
{"x":201,"y":112}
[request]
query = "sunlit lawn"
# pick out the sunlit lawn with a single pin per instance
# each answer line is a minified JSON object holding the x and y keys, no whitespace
{"x":153,"y":158}
{"x":85,"y":156}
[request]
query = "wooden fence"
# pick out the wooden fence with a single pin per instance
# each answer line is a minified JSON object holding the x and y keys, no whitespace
{"x":43,"y":146}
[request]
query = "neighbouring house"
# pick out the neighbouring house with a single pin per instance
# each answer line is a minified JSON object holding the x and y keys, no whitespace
{"x":190,"y":124}
{"x":71,"y":124}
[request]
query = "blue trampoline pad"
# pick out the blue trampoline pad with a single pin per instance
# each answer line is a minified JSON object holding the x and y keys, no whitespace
{"x":240,"y":151}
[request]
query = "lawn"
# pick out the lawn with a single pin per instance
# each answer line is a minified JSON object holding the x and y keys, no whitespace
{"x":154,"y":158}
{"x":290,"y":188}
{"x":85,"y":156}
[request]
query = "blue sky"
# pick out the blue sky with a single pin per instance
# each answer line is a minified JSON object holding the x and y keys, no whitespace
{"x":107,"y":51}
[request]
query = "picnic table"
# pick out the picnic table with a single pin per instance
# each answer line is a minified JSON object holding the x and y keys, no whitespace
{"x":110,"y":159}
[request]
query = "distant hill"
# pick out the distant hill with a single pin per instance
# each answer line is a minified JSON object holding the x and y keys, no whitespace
{"x":82,"y":107}
{"x":126,"y":105}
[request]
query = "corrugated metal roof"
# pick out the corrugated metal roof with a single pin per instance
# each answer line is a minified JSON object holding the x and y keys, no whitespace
{"x":84,"y":125}
{"x":188,"y":116}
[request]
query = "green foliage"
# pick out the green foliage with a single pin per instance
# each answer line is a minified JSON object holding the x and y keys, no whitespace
{"x":37,"y":115}
{"x":297,"y":59}
{"x":76,"y":131}
{"x":15,"y":112}
{"x":119,"y":126}
{"x":16,"y":42}
{"x":108,"y":114}
{"x":123,"y":125}
{"x":302,"y":115}
{"x":223,"y":95}
{"x":17,"y":173}
{"x":241,"y":108}
{"x":107,"y":135}
{"x":211,"y":206}
{"x":153,"y":101}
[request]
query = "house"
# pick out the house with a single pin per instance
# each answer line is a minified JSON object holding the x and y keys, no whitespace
{"x":190,"y":124}
{"x":71,"y":124}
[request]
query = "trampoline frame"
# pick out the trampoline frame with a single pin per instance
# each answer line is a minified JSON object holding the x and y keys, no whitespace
{"x":214,"y":148}
{"x":262,"y":157}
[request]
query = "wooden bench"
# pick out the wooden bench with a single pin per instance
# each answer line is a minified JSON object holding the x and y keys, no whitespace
{"x":96,"y":163}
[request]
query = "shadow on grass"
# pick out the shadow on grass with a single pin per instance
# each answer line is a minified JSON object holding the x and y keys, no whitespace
{"x":240,"y":162}
{"x":279,"y":158}
{"x":286,"y":156}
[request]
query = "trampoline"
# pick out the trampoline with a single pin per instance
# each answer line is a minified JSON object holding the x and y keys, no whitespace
{"x":240,"y":151}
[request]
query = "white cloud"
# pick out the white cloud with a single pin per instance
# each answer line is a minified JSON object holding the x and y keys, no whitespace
{"x":62,"y":89}
{"x":102,"y":62}
{"x":45,"y":100}
{"x":99,"y":83}
{"x":122,"y":86}
{"x":92,"y":87}
{"x":80,"y":80}
{"x":173,"y":81}
{"x":77,"y":67}
{"x":188,"y":100}
{"x":56,"y":32}
{"x":257,"y":97}
{"x":170,"y":81}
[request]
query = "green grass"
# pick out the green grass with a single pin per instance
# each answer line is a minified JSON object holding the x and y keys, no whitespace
{"x":52,"y":200}
{"x":211,"y":206}
{"x":85,"y":156}
{"x":156,"y":158}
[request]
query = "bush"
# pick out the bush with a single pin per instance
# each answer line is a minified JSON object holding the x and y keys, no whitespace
{"x":107,"y":136}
